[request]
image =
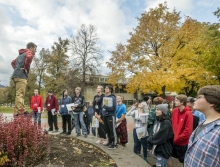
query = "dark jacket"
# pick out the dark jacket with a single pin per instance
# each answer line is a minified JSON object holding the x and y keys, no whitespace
{"x":109,"y":110}
{"x":63,"y":102}
{"x":51,"y":103}
{"x":23,"y":61}
{"x":97,"y":100}
{"x":163,"y":139}
{"x":80,"y":101}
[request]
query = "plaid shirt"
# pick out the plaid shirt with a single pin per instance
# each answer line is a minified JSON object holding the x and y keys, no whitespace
{"x":204,"y":150}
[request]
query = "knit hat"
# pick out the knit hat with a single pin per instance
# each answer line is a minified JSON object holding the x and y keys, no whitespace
{"x":163,"y":108}
{"x":190,"y":99}
{"x":146,"y":98}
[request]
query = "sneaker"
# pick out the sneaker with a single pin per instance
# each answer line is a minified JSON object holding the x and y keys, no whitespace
{"x":106,"y":145}
{"x":85,"y":136}
{"x":57,"y":130}
{"x":145,"y":158}
{"x":78,"y":134}
{"x":99,"y":141}
{"x":111,"y":147}
{"x":62,"y":133}
{"x":105,"y":142}
{"x":68,"y":133}
{"x":50,"y":130}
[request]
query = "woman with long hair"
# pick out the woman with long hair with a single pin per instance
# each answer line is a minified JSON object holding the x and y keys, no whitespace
{"x":97,"y":106}
{"x":66,"y":116}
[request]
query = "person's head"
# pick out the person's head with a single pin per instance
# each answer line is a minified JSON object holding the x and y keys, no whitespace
{"x":180,"y":100}
{"x":146,"y":98}
{"x":161,"y":109}
{"x":90,"y":104}
{"x":50,"y":92}
{"x":208,"y":98}
{"x":35,"y":92}
{"x":109,"y":89}
{"x":99,"y":89}
{"x":141,"y":106}
{"x":190,"y":102}
{"x":77,"y":90}
{"x":158,"y":100}
{"x":119,"y":99}
{"x":32,"y":46}
{"x":64,"y":93}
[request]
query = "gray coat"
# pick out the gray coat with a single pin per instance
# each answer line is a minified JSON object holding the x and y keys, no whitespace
{"x":18,"y":71}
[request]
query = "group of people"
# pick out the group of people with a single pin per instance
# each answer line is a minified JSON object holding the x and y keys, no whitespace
{"x":190,"y":132}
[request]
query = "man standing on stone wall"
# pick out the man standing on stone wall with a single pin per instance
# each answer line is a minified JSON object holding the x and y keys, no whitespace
{"x":21,"y":66}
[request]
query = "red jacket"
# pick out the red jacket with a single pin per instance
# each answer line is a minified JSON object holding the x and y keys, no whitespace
{"x":36,"y":101}
{"x":182,"y":123}
{"x":28,"y":58}
{"x":51,"y":103}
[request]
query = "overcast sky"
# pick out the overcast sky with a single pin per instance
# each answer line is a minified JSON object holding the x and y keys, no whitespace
{"x":43,"y":21}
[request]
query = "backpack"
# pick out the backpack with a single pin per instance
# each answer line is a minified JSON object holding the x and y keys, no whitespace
{"x":195,"y":122}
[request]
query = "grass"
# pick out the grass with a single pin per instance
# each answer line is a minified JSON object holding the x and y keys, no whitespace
{"x":6,"y":109}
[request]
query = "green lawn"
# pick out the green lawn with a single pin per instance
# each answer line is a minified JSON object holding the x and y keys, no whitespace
{"x":10,"y":110}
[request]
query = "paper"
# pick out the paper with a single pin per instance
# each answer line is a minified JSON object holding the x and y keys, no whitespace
{"x":108,"y":101}
{"x":95,"y":122}
{"x":39,"y":109}
{"x":69,"y":106}
{"x":53,"y":111}
{"x":117,"y":123}
{"x":140,"y":132}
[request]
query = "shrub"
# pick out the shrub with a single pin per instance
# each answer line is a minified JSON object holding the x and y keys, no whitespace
{"x":22,"y":142}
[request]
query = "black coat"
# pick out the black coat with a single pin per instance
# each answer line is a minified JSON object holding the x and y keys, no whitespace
{"x":163,"y":139}
{"x":97,"y":100}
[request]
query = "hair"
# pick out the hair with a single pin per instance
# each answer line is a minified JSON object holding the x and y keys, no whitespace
{"x":78,"y":88}
{"x":35,"y":89}
{"x":31,"y":45}
{"x":122,"y":98}
{"x":110,"y":88}
{"x":158,"y":100}
{"x":182,"y":98}
{"x":212,"y":95}
{"x":101,"y":87}
{"x":64,"y":90}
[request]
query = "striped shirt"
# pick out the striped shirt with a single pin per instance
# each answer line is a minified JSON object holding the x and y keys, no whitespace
{"x":204,"y":149}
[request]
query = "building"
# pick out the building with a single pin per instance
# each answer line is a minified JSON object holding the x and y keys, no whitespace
{"x":93,"y":81}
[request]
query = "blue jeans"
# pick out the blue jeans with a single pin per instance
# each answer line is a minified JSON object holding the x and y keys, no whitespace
{"x":160,"y":161}
{"x":37,"y":117}
{"x":138,"y":143}
{"x":78,"y":118}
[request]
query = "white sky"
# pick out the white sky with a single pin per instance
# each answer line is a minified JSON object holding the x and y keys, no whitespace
{"x":43,"y":21}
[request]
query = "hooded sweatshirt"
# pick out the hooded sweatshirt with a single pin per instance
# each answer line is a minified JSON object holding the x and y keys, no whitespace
{"x":162,"y":138}
{"x":23,"y":61}
{"x":111,"y":109}
{"x":182,"y":123}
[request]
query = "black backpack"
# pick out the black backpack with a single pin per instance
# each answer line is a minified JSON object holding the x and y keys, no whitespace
{"x":195,"y":122}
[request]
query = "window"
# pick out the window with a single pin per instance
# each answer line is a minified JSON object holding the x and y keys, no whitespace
{"x":102,"y":79}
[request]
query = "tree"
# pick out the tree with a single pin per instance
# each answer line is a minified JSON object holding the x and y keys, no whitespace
{"x":86,"y":52}
{"x":58,"y":66}
{"x":162,"y":54}
{"x":40,"y":66}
